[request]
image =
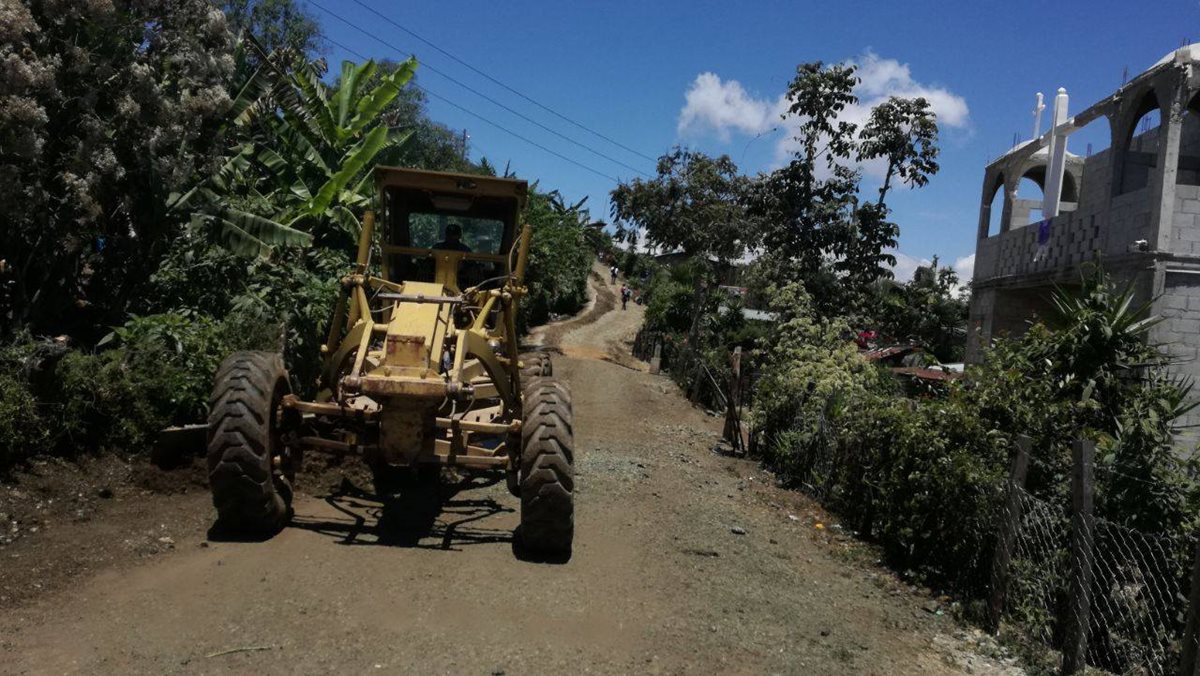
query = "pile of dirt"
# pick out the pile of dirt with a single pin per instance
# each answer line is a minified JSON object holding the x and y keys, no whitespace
{"x":60,"y":520}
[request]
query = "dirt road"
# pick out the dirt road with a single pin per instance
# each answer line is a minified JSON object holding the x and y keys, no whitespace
{"x":685,"y":561}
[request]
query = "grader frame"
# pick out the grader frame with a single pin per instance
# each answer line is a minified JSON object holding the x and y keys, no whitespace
{"x":411,"y":327}
{"x":420,"y":368}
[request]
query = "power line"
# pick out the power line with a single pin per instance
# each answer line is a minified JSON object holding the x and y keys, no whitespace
{"x":501,"y":84}
{"x":488,"y":121}
{"x":481,"y":94}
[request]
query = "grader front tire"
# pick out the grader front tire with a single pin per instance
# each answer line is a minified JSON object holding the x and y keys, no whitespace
{"x":535,"y":365}
{"x":547,"y":478}
{"x":250,"y":478}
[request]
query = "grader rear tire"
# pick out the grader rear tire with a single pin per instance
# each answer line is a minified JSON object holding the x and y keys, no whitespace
{"x":248,"y":469}
{"x":547,"y":477}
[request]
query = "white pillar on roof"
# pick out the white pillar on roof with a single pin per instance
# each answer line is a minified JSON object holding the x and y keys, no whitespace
{"x":1056,"y":158}
{"x":1037,"y":116}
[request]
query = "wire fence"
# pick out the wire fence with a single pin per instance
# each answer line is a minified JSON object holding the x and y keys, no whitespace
{"x":1137,"y":606}
{"x":712,"y":379}
{"x":1039,"y":568}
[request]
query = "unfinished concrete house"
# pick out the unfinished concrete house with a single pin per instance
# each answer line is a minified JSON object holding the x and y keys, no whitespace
{"x":1135,"y":205}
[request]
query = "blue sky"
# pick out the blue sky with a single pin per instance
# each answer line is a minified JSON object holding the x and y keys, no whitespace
{"x":625,"y":69}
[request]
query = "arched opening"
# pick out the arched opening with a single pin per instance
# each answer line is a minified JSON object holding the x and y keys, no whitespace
{"x":995,"y":208}
{"x":1037,"y":175}
{"x":1070,"y":189}
{"x":1141,"y":146}
{"x":1027,"y":208}
{"x":1091,"y":139}
{"x":1189,"y":145}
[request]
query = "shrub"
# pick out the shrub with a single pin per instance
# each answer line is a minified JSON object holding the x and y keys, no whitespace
{"x":560,"y":259}
{"x":152,"y":372}
{"x":925,"y":477}
{"x":23,"y":430}
{"x":179,"y":355}
{"x":287,"y":298}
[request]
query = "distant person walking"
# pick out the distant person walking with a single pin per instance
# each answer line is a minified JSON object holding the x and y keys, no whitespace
{"x":626,"y":294}
{"x":613,"y":271}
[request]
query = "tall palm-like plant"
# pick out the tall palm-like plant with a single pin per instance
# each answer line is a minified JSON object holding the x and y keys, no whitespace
{"x":300,"y":168}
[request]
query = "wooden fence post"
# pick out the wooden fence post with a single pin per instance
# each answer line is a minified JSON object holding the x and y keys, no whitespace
{"x":1082,"y":538}
{"x":1191,"y":634}
{"x":733,"y":429}
{"x":1008,"y":532}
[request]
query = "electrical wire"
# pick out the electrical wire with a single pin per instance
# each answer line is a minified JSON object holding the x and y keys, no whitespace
{"x":501,"y":84}
{"x":485,"y":120}
{"x":480,"y":94}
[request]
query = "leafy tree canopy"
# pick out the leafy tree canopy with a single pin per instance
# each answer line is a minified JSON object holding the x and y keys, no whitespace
{"x":694,"y":204}
{"x":275,"y":24}
{"x":108,"y":108}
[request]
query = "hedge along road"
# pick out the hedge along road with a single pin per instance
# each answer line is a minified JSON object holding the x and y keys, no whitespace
{"x":684,"y":561}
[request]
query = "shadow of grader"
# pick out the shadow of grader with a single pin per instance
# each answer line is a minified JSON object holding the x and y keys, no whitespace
{"x":425,"y":512}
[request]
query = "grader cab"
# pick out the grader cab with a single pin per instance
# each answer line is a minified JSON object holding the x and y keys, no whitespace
{"x":420,"y":368}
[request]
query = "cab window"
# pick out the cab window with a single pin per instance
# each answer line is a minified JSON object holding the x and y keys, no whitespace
{"x":480,"y":235}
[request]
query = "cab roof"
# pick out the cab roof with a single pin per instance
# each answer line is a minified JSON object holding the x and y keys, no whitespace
{"x":448,"y":183}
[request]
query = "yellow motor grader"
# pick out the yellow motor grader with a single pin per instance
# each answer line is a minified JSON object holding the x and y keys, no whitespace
{"x":420,"y":367}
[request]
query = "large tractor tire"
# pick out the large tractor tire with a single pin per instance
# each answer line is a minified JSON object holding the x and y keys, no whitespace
{"x":547,"y":477}
{"x":535,"y":390}
{"x":535,"y":365}
{"x":249,"y":470}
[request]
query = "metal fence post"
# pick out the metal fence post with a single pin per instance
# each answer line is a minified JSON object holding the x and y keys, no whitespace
{"x":1082,"y":538}
{"x":1191,"y":634}
{"x":1009,"y":524}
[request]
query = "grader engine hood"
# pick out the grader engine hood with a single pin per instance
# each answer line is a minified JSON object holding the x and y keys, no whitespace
{"x":415,"y":327}
{"x":415,"y":332}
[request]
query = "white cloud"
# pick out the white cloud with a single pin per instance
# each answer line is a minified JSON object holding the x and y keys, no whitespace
{"x":882,"y":78}
{"x":906,"y":266}
{"x":724,"y":106}
{"x":713,"y":105}
{"x":965,"y":267}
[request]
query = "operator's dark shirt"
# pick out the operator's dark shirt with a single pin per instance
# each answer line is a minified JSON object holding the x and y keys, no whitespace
{"x":452,"y":246}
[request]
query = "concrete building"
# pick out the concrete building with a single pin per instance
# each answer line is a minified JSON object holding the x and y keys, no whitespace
{"x":1135,"y":205}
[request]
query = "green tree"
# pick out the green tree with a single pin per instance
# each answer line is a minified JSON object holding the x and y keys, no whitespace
{"x":930,"y":309}
{"x":560,"y":257}
{"x":903,"y":132}
{"x":275,"y":24}
{"x":432,"y":144}
{"x":108,"y":108}
{"x":694,"y":204}
{"x":303,"y":165}
{"x":815,"y":230}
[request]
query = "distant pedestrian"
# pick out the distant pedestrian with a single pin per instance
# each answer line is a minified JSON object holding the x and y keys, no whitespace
{"x":626,"y":294}
{"x":613,"y":272}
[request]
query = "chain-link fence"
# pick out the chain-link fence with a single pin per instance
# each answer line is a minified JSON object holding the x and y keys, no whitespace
{"x":1039,"y":568}
{"x":1136,"y":603}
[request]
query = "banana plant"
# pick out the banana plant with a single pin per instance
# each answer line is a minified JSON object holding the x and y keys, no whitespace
{"x":301,"y":168}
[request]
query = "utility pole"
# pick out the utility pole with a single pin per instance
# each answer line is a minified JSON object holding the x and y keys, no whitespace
{"x":465,"y":137}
